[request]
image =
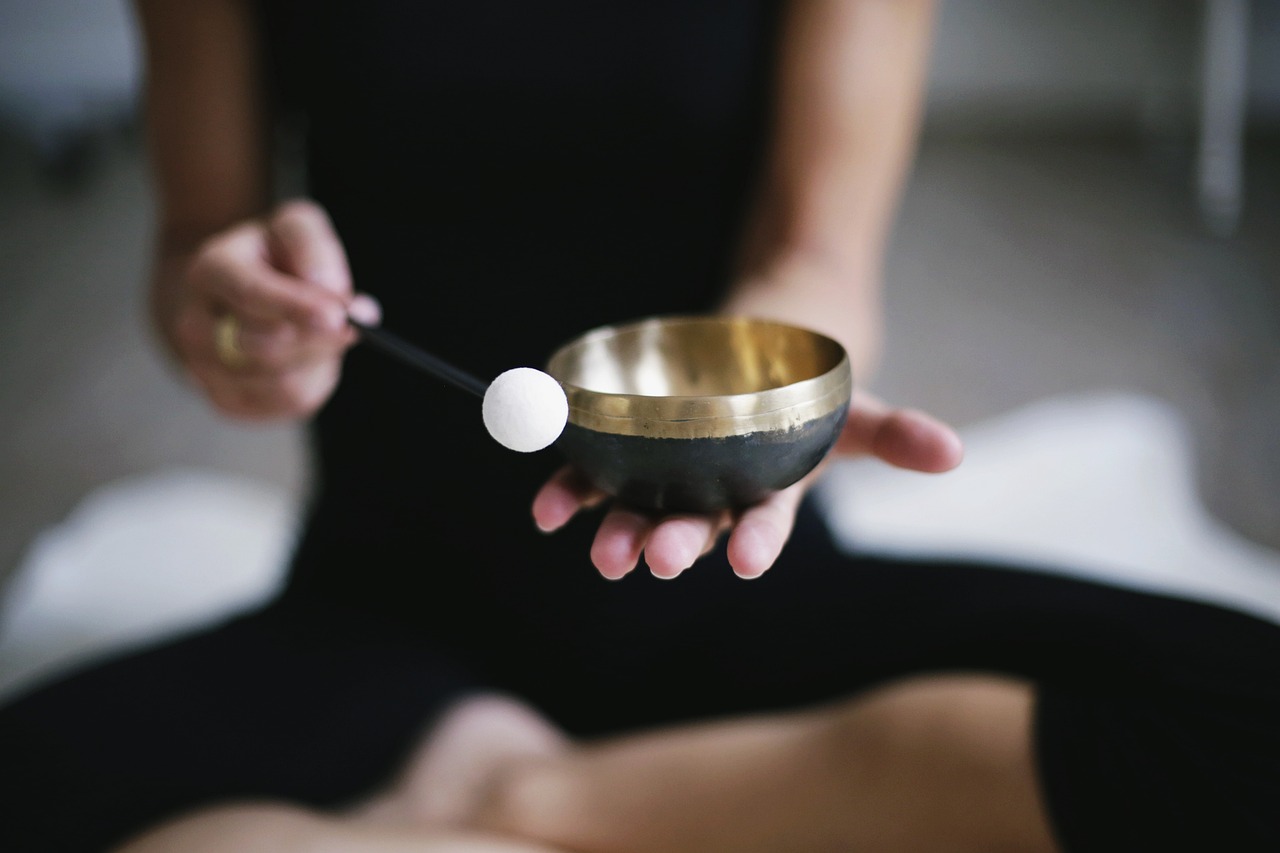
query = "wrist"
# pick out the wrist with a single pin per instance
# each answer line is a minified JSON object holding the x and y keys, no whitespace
{"x":838,"y":297}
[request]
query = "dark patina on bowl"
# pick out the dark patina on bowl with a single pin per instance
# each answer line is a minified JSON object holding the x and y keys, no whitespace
{"x":700,"y":413}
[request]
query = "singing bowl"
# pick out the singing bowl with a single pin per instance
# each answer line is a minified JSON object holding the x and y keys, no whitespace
{"x":700,"y":413}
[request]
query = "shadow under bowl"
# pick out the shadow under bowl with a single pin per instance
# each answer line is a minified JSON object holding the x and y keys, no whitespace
{"x":700,"y":413}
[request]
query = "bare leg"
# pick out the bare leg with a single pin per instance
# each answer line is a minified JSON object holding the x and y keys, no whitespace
{"x":270,"y":828}
{"x":931,"y":764}
{"x":441,"y":783}
{"x":449,"y":773}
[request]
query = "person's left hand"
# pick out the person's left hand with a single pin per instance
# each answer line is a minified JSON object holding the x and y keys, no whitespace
{"x":670,"y":544}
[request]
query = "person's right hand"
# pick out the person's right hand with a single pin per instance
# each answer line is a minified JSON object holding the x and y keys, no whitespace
{"x":258,"y":315}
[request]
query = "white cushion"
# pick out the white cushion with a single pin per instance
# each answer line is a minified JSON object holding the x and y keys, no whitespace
{"x":1097,"y":486}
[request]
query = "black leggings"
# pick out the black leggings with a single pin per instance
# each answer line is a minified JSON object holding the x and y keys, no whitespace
{"x":1156,"y":724}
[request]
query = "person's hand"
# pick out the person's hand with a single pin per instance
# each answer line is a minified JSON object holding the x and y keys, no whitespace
{"x":258,"y":314}
{"x":670,"y":544}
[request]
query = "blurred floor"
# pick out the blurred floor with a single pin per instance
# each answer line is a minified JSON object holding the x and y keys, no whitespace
{"x":1021,"y":269}
{"x":85,"y":397}
{"x":1025,"y":269}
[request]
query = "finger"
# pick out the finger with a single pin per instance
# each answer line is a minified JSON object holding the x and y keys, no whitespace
{"x":761,"y":531}
{"x":278,"y":347}
{"x":228,"y":279}
{"x":294,"y":394}
{"x":364,"y":309}
{"x":562,"y":497}
{"x":269,"y":347}
{"x":266,"y":347}
{"x":619,"y":541}
{"x":905,"y":438}
{"x":302,"y":242}
{"x":679,"y":540}
{"x":914,"y":440}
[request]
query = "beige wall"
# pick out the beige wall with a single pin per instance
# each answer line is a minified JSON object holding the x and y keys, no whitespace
{"x":999,"y":64}
{"x":1068,"y":64}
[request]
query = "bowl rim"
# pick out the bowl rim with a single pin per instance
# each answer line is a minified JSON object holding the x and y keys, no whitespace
{"x":782,"y":408}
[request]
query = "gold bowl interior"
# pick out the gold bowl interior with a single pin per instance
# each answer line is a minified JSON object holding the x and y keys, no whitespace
{"x":695,"y":357}
{"x":685,"y":377}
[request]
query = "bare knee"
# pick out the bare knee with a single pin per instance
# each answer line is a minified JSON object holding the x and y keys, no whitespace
{"x":950,"y":756}
{"x":536,"y":799}
{"x":982,"y":722}
{"x":464,"y":758}
{"x":929,"y":764}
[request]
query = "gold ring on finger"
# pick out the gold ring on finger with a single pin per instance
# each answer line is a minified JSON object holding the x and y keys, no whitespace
{"x":226,"y":342}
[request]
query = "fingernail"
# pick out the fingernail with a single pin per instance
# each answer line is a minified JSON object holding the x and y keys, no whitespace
{"x":612,"y":577}
{"x":365,"y":309}
{"x":673,"y":572}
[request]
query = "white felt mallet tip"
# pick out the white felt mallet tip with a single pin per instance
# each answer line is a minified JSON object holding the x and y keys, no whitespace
{"x":525,"y":409}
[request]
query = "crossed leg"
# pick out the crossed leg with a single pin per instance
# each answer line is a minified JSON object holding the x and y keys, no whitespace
{"x":272,"y":828}
{"x":938,"y":763}
{"x":419,"y":812}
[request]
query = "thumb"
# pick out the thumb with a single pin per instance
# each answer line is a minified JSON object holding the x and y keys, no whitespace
{"x":905,"y":438}
{"x":302,"y":243}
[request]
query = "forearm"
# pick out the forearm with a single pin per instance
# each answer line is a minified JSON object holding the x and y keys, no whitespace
{"x":850,"y":89}
{"x":205,"y":116}
{"x":206,"y":131}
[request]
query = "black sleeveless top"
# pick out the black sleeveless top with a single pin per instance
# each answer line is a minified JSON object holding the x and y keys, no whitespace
{"x":505,"y":175}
